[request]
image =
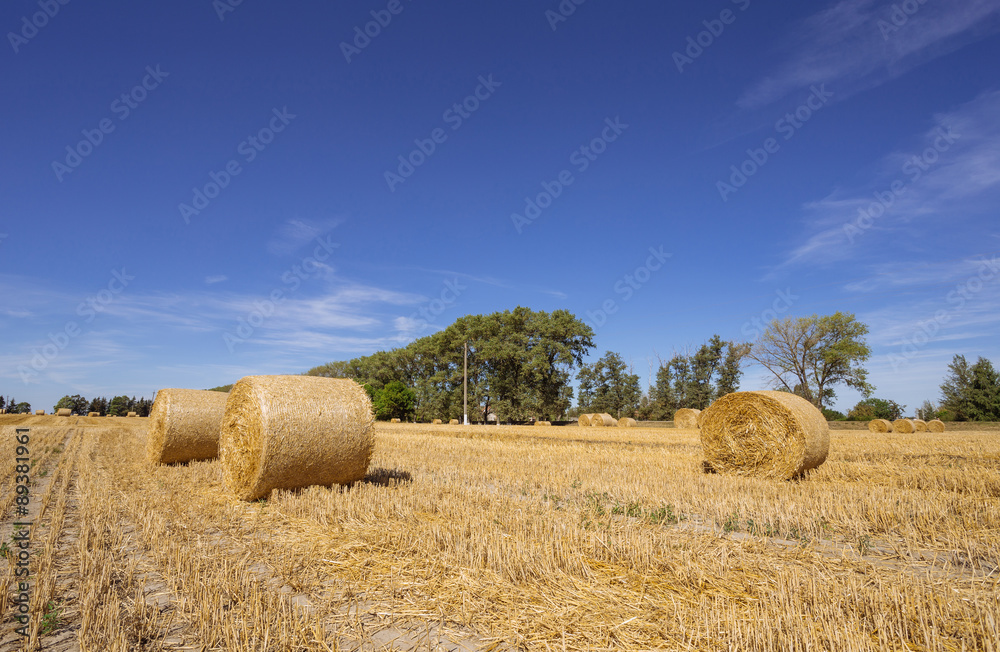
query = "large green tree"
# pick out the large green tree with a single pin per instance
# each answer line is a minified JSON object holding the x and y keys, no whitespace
{"x":694,"y":381}
{"x":76,"y":403}
{"x":394,"y":401}
{"x":971,"y":392}
{"x":811,"y":355}
{"x":876,"y":408}
{"x":608,"y":386}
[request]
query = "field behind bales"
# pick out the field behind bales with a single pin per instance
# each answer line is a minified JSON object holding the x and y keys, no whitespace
{"x":487,"y":537}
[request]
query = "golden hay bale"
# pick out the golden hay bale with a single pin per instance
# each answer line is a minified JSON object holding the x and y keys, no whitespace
{"x":920,"y":425}
{"x":686,"y":418}
{"x":436,"y":422}
{"x":766,"y":434}
{"x":701,"y":417}
{"x":93,"y":414}
{"x":905,"y":426}
{"x":626,"y":422}
{"x":395,"y":420}
{"x":286,"y":432}
{"x":131,"y":414}
{"x":543,"y":423}
{"x":454,"y":422}
{"x":935,"y":425}
{"x":184,"y":425}
{"x":62,"y":412}
{"x":880,"y":425}
{"x":584,"y":419}
{"x":603,"y":419}
{"x":39,"y":413}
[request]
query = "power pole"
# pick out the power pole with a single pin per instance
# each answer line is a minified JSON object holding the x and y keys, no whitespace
{"x":465,"y":384}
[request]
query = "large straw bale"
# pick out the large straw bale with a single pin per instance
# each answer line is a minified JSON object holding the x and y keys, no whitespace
{"x":880,"y":425}
{"x":131,"y":414}
{"x":701,"y":417}
{"x":286,"y":432}
{"x":765,"y":434}
{"x":904,"y":426}
{"x":626,"y":422}
{"x":93,"y":414}
{"x":584,"y":419}
{"x":184,"y":425}
{"x":935,"y":425}
{"x":39,"y":413}
{"x":62,"y":412}
{"x":603,"y":419}
{"x":686,"y":418}
{"x":919,"y":425}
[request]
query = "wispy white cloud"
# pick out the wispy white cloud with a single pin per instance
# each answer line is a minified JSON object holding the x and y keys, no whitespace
{"x":212,"y":280}
{"x":858,"y":44}
{"x":296,"y":232}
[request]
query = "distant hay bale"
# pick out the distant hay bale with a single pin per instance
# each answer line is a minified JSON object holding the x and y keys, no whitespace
{"x":39,"y":413}
{"x":626,"y":422}
{"x":93,"y":414}
{"x":287,"y":432}
{"x":454,"y":422}
{"x":935,"y":425}
{"x":543,"y":423}
{"x":603,"y":419}
{"x":62,"y":412}
{"x":920,"y":425}
{"x":584,"y":419}
{"x":184,"y":425}
{"x":880,"y":425}
{"x":133,"y":414}
{"x":436,"y":422}
{"x":686,"y":418}
{"x":395,"y":420}
{"x":765,"y":434}
{"x":905,"y":426}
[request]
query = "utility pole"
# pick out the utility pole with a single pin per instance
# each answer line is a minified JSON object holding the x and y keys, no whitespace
{"x":465,"y":383}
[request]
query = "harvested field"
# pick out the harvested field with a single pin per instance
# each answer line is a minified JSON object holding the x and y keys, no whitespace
{"x":503,"y":537}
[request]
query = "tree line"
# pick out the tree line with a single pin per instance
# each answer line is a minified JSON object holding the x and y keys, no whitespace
{"x":119,"y":406}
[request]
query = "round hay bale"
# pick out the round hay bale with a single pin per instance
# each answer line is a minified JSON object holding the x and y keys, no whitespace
{"x":626,"y":422}
{"x":286,"y":432}
{"x":766,"y":434}
{"x":93,"y":414}
{"x":395,"y":420}
{"x":905,"y":426}
{"x":920,"y":425}
{"x":543,"y":423}
{"x":701,"y":416}
{"x":584,"y":419}
{"x":686,"y":418}
{"x":454,"y":422}
{"x":935,"y":425}
{"x":39,"y":413}
{"x":880,"y":425}
{"x":184,"y":425}
{"x":61,"y":412}
{"x":603,"y":419}
{"x":436,"y":422}
{"x":131,"y":414}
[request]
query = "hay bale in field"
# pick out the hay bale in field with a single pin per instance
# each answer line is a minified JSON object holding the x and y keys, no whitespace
{"x":701,"y":417}
{"x":184,"y":425}
{"x":133,"y":414}
{"x":39,"y":413}
{"x":287,"y":432}
{"x":395,"y":420}
{"x":765,"y":434}
{"x":935,"y":425}
{"x":62,"y":412}
{"x":686,"y":418}
{"x":93,"y":414}
{"x":905,"y":426}
{"x":543,"y":423}
{"x":454,"y":422}
{"x":880,"y":425}
{"x":919,"y":425}
{"x":626,"y":422}
{"x":436,"y":422}
{"x":603,"y":420}
{"x":584,"y":419}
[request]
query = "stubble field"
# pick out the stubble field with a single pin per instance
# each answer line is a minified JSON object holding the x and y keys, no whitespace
{"x":486,"y":537}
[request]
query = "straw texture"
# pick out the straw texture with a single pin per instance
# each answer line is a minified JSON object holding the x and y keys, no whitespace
{"x":935,"y":425}
{"x":286,"y":432}
{"x":603,"y":420}
{"x":880,"y":425}
{"x":184,"y":425}
{"x":626,"y":422}
{"x":920,"y":425}
{"x":584,"y":419}
{"x":62,"y":412}
{"x":766,"y":434}
{"x":686,"y":418}
{"x":905,"y":426}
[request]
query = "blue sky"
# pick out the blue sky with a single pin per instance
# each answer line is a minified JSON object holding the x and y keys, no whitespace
{"x":195,"y":191}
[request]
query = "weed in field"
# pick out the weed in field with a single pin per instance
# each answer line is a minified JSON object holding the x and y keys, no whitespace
{"x":50,"y":618}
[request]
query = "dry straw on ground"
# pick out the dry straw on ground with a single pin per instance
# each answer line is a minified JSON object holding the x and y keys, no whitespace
{"x":920,"y":425}
{"x":905,"y":426}
{"x":287,"y":432}
{"x":935,"y":425}
{"x":543,"y":423}
{"x":584,"y":419}
{"x":62,"y":412}
{"x":627,"y":422}
{"x":765,"y":434}
{"x":454,"y":422}
{"x":686,"y":418}
{"x":184,"y":425}
{"x":602,"y":420}
{"x":880,"y":425}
